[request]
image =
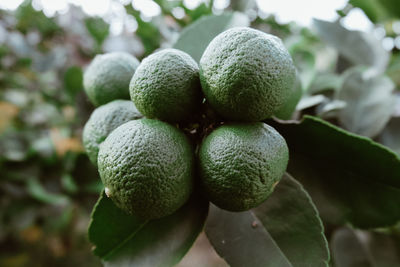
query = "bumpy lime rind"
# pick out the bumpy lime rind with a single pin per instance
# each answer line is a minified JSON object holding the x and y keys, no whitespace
{"x":107,"y":77}
{"x":285,"y":112}
{"x":166,"y":86}
{"x":103,"y":121}
{"x":240,"y":163}
{"x":147,"y":168}
{"x":246,"y":74}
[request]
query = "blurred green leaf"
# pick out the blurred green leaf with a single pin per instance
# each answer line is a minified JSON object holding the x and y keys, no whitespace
{"x":98,"y":29}
{"x":372,"y":8}
{"x":30,"y":19}
{"x":4,"y":50}
{"x":364,"y":249}
{"x":125,"y":240}
{"x":94,"y":187}
{"x":304,"y":60}
{"x":310,"y":101}
{"x":369,"y":102}
{"x":330,"y":108}
{"x":378,"y":10}
{"x":347,"y":250}
{"x":358,"y":47}
{"x":242,"y":5}
{"x":195,"y":38}
{"x":63,"y":220}
{"x":38,"y":192}
{"x":146,"y":31}
{"x":150,"y":36}
{"x":69,"y":184}
{"x":166,"y":5}
{"x":390,"y":136}
{"x":325,"y":81}
{"x":392,"y":6}
{"x":349,"y":177}
{"x":393,"y":70}
{"x":285,"y":230}
{"x":204,"y":9}
{"x":73,"y":80}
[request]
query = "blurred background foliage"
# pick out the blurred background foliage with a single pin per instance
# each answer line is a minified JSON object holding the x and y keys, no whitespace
{"x":47,"y":184}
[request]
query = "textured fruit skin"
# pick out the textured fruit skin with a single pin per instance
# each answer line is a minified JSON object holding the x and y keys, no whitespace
{"x":147,"y":167}
{"x":286,"y":111}
{"x":103,"y":121}
{"x":166,"y":86}
{"x":246,"y":74}
{"x":240,"y":163}
{"x":107,"y":77}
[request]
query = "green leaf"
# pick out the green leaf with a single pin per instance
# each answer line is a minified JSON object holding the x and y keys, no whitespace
{"x":286,"y":111}
{"x":378,"y":10}
{"x":349,"y":177}
{"x":124,"y":240}
{"x":390,"y":135}
{"x":242,"y":5}
{"x":358,"y":47}
{"x":195,"y":38}
{"x":365,"y":249}
{"x":372,"y":8}
{"x":147,"y":31}
{"x":98,"y":29}
{"x":329,"y":108}
{"x":347,"y":250}
{"x":73,"y":80}
{"x":305,"y":60}
{"x":325,"y":81}
{"x":29,"y":19}
{"x":149,"y":34}
{"x":285,"y":230}
{"x":369,"y":102}
{"x":392,"y":7}
{"x":293,"y":221}
{"x":37,"y":191}
{"x":68,"y":183}
{"x":309,"y":101}
{"x":201,"y":10}
{"x":393,"y":70}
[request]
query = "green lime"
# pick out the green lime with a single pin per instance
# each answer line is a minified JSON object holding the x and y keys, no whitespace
{"x":286,"y":111}
{"x":103,"y":121}
{"x":240,"y":163}
{"x":147,"y":168}
{"x":107,"y":77}
{"x":166,"y":86}
{"x":246,"y":74}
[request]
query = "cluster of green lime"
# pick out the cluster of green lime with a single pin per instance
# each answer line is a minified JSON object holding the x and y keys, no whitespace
{"x":145,"y":158}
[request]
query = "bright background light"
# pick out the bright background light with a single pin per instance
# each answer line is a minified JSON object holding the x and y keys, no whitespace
{"x":10,"y":4}
{"x":147,"y":7}
{"x":285,"y":11}
{"x":302,"y":12}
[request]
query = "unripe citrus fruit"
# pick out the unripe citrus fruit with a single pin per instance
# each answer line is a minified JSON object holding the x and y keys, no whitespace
{"x":147,"y":168}
{"x":246,"y":74}
{"x":103,"y":121}
{"x":107,"y":77}
{"x":240,"y":163}
{"x":166,"y":86}
{"x":286,"y":111}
